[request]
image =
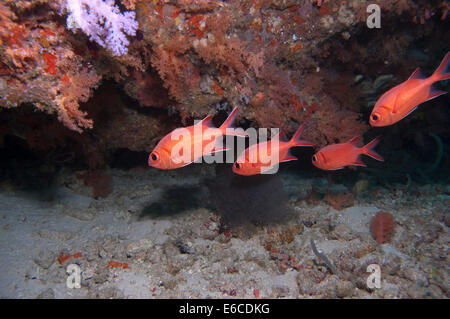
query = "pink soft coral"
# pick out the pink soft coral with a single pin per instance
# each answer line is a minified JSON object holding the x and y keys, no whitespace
{"x":102,"y":21}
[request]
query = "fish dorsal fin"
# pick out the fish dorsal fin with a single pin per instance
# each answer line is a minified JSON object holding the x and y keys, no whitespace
{"x":276,"y":136}
{"x":354,"y":140}
{"x":207,"y":121}
{"x":417,"y":75}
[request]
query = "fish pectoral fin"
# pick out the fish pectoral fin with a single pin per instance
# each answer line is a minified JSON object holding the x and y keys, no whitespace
{"x":217,"y":150}
{"x":268,"y":169}
{"x":395,"y":108}
{"x":417,"y":74}
{"x":188,"y":163}
{"x":390,"y":109}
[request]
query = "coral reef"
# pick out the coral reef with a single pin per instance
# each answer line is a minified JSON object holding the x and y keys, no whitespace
{"x":283,"y":62}
{"x":40,"y":67}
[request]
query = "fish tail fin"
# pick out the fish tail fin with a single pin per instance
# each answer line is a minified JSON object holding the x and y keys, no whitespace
{"x":368,"y":149}
{"x":296,"y":141}
{"x":443,"y":71}
{"x":228,"y":124}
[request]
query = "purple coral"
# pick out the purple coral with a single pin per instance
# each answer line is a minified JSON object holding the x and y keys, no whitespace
{"x":102,"y":21}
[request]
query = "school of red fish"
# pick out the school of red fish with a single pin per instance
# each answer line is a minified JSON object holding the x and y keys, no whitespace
{"x":204,"y":138}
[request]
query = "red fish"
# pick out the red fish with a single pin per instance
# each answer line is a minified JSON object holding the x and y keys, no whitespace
{"x":262,"y":157}
{"x":337,"y":156}
{"x":404,"y":98}
{"x":184,"y":145}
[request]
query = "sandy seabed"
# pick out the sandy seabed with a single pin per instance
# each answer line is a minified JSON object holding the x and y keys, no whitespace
{"x":126,"y":248}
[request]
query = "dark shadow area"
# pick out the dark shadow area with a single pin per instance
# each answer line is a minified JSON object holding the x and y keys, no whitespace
{"x":26,"y":170}
{"x":123,"y":158}
{"x":249,"y":200}
{"x":175,"y":201}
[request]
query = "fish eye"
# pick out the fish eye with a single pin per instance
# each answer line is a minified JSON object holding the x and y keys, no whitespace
{"x":154,"y":157}
{"x":375,"y":117}
{"x":314,"y":158}
{"x":238,"y":166}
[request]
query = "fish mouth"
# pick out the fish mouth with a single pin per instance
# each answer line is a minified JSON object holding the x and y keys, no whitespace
{"x":246,"y":173}
{"x":375,"y":124}
{"x":237,"y":168}
{"x":236,"y":171}
{"x":150,"y":162}
{"x":239,"y":171}
{"x":318,"y":165}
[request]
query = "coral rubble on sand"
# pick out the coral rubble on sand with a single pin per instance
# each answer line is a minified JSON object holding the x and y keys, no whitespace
{"x":127,"y":247}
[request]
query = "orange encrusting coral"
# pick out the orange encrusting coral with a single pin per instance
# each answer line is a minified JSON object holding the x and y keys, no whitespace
{"x":38,"y":64}
{"x":180,"y":76}
{"x":116,"y":264}
{"x":50,"y":61}
{"x":64,"y":258}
